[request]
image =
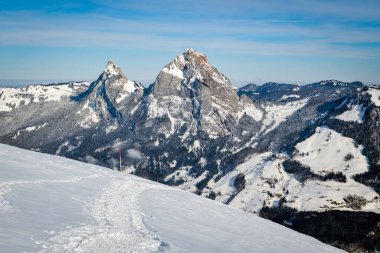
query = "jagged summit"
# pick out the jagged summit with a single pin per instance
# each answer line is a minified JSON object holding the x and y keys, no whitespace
{"x":189,"y":50}
{"x":195,"y":93}
{"x":112,"y":70}
{"x":192,"y":65}
{"x":109,"y":94}
{"x":194,"y":57}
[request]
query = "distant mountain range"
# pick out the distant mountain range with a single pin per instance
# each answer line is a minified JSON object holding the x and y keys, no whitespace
{"x":301,"y":155}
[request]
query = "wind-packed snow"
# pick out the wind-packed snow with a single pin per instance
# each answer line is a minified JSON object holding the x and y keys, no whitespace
{"x":354,"y":113}
{"x":375,"y":96}
{"x":54,"y":204}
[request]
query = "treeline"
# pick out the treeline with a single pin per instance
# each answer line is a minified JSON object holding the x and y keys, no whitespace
{"x":302,"y":173}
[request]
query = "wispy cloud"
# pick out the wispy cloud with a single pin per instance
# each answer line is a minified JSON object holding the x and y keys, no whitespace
{"x":313,"y":29}
{"x":282,"y":37}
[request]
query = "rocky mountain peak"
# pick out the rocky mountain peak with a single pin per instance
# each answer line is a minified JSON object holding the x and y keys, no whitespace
{"x":112,"y":70}
{"x":194,"y":57}
{"x":194,"y":66}
{"x":110,"y":93}
{"x":195,"y":94}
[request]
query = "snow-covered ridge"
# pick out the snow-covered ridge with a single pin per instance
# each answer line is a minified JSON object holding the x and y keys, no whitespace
{"x":12,"y":98}
{"x":54,"y":204}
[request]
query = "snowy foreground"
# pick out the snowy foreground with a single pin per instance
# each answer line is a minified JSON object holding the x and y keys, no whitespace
{"x":54,"y":204}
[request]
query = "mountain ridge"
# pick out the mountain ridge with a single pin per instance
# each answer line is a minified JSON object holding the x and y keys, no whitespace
{"x":191,"y":129}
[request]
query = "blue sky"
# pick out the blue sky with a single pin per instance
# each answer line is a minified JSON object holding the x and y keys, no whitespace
{"x":297,"y":41}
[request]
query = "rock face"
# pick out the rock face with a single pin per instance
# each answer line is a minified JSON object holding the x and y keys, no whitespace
{"x":189,"y":117}
{"x":110,"y":94}
{"x":253,"y":148}
{"x":191,"y":90}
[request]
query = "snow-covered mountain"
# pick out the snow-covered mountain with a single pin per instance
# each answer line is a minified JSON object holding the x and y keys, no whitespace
{"x":110,"y":96}
{"x":285,"y":152}
{"x":54,"y":204}
{"x":191,"y":93}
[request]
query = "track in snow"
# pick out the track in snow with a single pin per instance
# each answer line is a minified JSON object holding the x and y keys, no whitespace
{"x":119,"y":227}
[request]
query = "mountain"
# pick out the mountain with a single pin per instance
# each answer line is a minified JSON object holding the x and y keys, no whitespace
{"x":270,"y":91}
{"x":110,"y":94}
{"x":194,"y":96}
{"x":61,"y":205}
{"x":286,"y":152}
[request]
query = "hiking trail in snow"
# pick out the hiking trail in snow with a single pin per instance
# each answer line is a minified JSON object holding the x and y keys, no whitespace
{"x":119,"y":225}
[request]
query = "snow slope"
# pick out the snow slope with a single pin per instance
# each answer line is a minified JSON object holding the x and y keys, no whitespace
{"x":11,"y":98}
{"x":53,"y":204}
{"x":375,"y":96}
{"x":325,"y":151}
{"x":278,"y":113}
{"x":266,"y":181}
{"x":328,"y":151}
{"x":355,"y":113}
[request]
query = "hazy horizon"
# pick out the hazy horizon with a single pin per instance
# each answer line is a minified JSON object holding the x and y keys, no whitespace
{"x":22,"y":83}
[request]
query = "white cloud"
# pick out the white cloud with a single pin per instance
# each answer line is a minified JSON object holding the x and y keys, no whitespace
{"x":134,"y":154}
{"x":265,"y":37}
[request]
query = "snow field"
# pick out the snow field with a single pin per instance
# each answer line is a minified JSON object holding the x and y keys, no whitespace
{"x":12,"y":97}
{"x":54,"y":204}
{"x":354,"y":113}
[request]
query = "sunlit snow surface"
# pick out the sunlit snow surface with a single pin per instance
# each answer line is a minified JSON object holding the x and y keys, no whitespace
{"x":54,"y":204}
{"x":267,"y":182}
{"x":354,"y":113}
{"x":279,"y":113}
{"x":375,"y":96}
{"x":11,"y":98}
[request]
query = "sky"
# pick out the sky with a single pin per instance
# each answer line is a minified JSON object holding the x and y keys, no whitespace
{"x":294,"y":41}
